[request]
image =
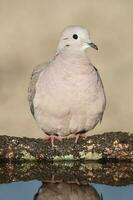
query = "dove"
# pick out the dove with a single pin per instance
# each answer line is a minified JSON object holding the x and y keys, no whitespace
{"x":66,"y":94}
{"x":66,"y":191}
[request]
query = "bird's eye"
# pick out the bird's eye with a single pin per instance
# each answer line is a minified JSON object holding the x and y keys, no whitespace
{"x":75,"y":36}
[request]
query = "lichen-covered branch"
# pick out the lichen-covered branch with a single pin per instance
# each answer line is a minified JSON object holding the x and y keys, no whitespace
{"x":108,"y":146}
{"x":69,"y":172}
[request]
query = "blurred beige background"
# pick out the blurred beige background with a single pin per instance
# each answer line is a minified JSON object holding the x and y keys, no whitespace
{"x":29,"y":32}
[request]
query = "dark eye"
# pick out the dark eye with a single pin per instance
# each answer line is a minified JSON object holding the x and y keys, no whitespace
{"x":75,"y":36}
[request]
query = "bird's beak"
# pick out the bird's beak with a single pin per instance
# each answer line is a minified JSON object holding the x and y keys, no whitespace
{"x":93,"y":45}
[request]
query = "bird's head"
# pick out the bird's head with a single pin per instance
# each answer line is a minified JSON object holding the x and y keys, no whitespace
{"x":75,"y":37}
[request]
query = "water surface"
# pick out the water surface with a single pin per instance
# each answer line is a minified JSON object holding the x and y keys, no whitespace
{"x":29,"y":190}
{"x":71,"y":180}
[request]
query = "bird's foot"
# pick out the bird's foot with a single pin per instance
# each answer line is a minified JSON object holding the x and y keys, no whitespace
{"x":53,"y":137}
{"x":60,"y":138}
{"x":76,"y":137}
{"x":73,"y":182}
{"x":84,"y":136}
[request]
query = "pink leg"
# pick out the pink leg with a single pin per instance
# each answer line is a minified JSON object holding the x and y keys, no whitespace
{"x":53,"y":137}
{"x":84,"y":136}
{"x":52,"y":140}
{"x":74,"y":136}
{"x":77,"y":137}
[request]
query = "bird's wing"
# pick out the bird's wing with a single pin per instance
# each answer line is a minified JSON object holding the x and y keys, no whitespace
{"x":99,"y":80}
{"x":32,"y":86}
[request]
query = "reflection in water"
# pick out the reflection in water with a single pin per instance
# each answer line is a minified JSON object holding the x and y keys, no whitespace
{"x":65,"y":191}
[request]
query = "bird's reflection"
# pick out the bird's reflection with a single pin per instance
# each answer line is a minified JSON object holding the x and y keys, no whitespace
{"x":66,"y":191}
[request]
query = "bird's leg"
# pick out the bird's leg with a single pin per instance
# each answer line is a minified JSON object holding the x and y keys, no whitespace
{"x":77,"y":137}
{"x":84,"y":136}
{"x":53,"y":180}
{"x":59,"y":138}
{"x":76,"y":181}
{"x":53,"y":137}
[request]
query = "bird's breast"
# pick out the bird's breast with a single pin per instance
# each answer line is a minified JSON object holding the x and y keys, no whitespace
{"x":68,"y":86}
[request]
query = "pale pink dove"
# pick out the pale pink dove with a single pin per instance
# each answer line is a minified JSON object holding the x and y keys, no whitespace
{"x":66,"y":95}
{"x":65,"y":191}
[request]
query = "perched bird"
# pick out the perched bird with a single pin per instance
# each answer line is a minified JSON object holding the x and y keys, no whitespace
{"x":65,"y":191}
{"x":66,"y":95}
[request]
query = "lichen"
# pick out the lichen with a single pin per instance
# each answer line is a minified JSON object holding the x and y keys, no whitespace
{"x":26,"y":155}
{"x":65,"y":157}
{"x":90,"y":155}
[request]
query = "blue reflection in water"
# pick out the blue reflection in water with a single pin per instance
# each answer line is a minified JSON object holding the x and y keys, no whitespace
{"x":19,"y":190}
{"x":27,"y":190}
{"x":113,"y":192}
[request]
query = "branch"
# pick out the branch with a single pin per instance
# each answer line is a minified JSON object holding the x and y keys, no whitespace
{"x":69,"y":172}
{"x":108,"y":146}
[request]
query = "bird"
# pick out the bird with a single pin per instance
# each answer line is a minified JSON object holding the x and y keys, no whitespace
{"x":66,"y":191}
{"x":66,"y":94}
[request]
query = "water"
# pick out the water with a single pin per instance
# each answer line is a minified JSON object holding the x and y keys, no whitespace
{"x":28,"y":190}
{"x":66,"y":181}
